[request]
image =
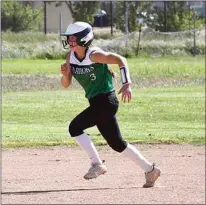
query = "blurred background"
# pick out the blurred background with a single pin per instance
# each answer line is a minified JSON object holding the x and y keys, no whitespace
{"x":31,"y":28}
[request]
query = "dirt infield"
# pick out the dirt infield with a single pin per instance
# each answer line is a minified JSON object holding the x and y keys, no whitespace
{"x":55,"y":176}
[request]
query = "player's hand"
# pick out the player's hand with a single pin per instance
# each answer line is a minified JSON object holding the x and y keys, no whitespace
{"x":65,"y":69}
{"x":126,"y":92}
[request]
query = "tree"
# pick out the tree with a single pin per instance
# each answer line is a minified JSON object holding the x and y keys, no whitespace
{"x":178,"y":17}
{"x":135,"y":8}
{"x":82,"y":10}
{"x":17,"y":17}
{"x":119,"y":16}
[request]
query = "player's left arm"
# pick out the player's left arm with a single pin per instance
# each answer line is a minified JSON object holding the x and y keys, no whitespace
{"x":100,"y":56}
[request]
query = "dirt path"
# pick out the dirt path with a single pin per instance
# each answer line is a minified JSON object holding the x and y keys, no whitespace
{"x":55,"y":176}
{"x":40,"y":82}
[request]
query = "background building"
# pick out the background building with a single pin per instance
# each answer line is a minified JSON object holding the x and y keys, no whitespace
{"x":52,"y":15}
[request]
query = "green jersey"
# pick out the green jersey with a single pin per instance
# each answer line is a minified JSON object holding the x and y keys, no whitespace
{"x":95,"y":78}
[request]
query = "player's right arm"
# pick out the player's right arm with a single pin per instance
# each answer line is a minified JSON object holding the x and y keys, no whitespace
{"x":66,"y":73}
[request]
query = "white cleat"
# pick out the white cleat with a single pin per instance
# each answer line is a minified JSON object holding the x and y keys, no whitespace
{"x":95,"y":170}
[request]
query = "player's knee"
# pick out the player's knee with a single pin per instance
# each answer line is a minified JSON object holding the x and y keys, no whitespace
{"x":74,"y":129}
{"x":118,"y":146}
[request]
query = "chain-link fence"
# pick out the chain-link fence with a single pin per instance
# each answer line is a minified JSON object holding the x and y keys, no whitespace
{"x":149,"y":42}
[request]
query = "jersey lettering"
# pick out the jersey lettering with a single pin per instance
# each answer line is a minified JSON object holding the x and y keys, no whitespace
{"x":82,"y":70}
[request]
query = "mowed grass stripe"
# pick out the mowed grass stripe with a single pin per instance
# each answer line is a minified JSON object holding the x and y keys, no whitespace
{"x":185,"y":66}
{"x":155,"y":115}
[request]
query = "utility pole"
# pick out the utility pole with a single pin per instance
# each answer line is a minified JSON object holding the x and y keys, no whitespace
{"x":126,"y":17}
{"x":140,"y":20}
{"x":194,"y":18}
{"x":45,"y":14}
{"x":189,"y":16}
{"x":165,"y":16}
{"x":60,"y":25}
{"x":126,"y":24}
{"x":111,"y":11}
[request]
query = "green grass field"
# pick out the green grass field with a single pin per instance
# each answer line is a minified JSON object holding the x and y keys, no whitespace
{"x":139,"y":67}
{"x":155,"y":115}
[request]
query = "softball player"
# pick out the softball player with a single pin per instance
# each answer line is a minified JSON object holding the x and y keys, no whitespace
{"x":89,"y":66}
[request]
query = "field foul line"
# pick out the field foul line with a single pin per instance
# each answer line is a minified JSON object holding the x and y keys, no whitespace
{"x":64,"y":190}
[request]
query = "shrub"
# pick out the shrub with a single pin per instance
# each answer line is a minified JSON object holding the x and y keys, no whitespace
{"x":17,"y":17}
{"x":39,"y":45}
{"x":105,"y":33}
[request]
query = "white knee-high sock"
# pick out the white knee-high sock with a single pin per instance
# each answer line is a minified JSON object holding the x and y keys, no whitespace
{"x":132,"y":153}
{"x":86,"y":143}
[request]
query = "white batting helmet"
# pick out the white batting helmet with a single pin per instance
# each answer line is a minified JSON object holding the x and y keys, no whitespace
{"x":82,"y":31}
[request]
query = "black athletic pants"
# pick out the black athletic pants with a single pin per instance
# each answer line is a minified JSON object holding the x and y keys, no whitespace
{"x":101,"y":113}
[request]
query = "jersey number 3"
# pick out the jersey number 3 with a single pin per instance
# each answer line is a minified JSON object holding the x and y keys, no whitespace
{"x":93,"y":77}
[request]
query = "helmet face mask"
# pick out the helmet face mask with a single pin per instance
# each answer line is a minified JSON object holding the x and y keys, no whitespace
{"x":72,"y":41}
{"x":65,"y":42}
{"x":69,"y":41}
{"x":80,"y":33}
